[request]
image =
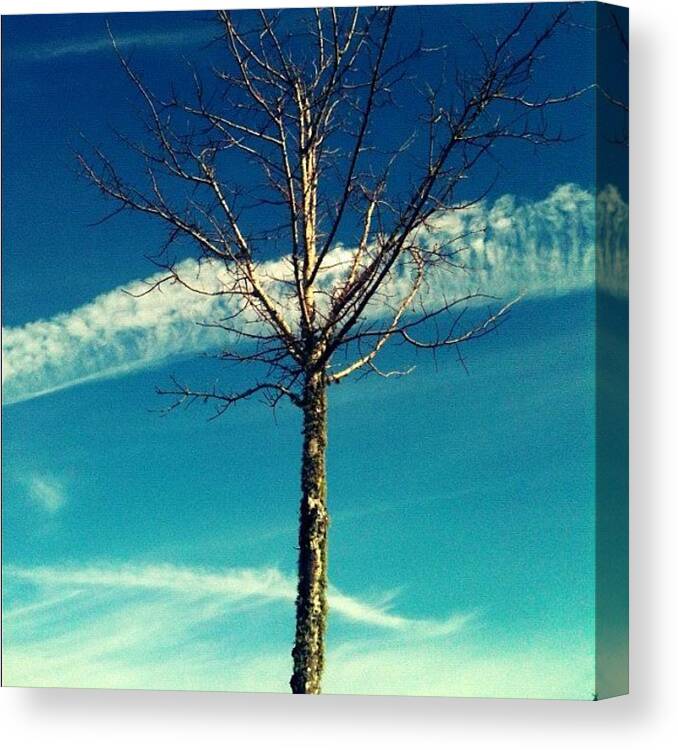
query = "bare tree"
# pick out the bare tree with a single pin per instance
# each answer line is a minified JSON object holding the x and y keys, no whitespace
{"x":304,"y":101}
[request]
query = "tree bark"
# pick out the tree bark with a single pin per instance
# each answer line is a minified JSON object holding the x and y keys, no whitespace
{"x":311,"y":603}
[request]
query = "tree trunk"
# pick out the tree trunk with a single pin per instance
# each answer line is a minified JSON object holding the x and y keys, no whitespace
{"x":309,"y":644}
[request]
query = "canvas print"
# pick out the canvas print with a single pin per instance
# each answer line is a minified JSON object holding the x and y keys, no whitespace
{"x":315,"y":350}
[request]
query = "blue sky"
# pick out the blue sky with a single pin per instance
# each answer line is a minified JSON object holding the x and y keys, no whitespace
{"x":159,"y":552}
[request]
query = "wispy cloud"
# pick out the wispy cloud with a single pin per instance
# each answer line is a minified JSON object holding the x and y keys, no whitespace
{"x":168,"y":627}
{"x":562,"y":244}
{"x":264,"y":584}
{"x":45,"y":491}
{"x":193,"y":33}
{"x":113,"y":335}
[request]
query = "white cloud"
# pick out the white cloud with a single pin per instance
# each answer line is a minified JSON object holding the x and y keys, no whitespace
{"x":88,"y":45}
{"x":167,"y":627}
{"x":46,"y":491}
{"x":543,"y":248}
{"x":113,"y":335}
{"x":265,"y":584}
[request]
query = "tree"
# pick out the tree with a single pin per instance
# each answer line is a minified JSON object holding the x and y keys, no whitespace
{"x":303,"y":102}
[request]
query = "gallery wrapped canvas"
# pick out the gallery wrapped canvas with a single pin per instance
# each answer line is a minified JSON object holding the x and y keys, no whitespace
{"x":315,"y":341}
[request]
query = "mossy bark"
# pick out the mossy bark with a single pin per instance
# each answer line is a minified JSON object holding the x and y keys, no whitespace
{"x":311,"y":603}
